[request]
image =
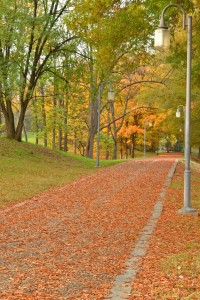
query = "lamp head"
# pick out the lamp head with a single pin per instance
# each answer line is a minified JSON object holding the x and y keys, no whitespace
{"x":162,"y":39}
{"x":162,"y":36}
{"x":178,"y":114}
{"x":111,"y":96}
{"x":150,"y":123}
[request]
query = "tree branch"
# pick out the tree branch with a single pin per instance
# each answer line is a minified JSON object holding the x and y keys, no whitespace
{"x":140,"y":107}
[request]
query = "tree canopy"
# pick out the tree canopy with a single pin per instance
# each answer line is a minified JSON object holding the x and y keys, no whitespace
{"x":58,"y":58}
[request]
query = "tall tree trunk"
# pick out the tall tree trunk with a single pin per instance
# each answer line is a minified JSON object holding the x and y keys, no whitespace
{"x":36,"y":126}
{"x":93,"y":122}
{"x":93,"y":106}
{"x":9,"y":118}
{"x":114,"y":134}
{"x":95,"y":92}
{"x":60,"y":132}
{"x":25,"y":134}
{"x":55,"y":92}
{"x":65,"y":123}
{"x":75,"y":141}
{"x":44,"y":118}
{"x":115,"y":128}
{"x":60,"y":137}
{"x":54,"y":123}
{"x":0,"y":121}
{"x":92,"y":131}
{"x":126,"y":149}
{"x":121,"y":148}
{"x":20,"y":125}
{"x":107,"y":145}
{"x":10,"y":129}
{"x":132,"y":145}
{"x":36,"y":130}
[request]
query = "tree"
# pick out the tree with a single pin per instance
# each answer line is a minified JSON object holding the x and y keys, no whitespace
{"x":31,"y":34}
{"x":108,"y":30}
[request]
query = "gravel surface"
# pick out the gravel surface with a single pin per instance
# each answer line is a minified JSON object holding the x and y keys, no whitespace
{"x":73,"y":241}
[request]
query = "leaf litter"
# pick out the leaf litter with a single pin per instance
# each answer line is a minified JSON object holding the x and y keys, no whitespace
{"x":72,"y":242}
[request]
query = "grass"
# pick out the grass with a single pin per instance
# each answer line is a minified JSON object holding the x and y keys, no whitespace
{"x":185,"y":264}
{"x":195,"y":184}
{"x":27,"y":169}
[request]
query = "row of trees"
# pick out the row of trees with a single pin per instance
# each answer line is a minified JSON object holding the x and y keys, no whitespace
{"x":58,"y":57}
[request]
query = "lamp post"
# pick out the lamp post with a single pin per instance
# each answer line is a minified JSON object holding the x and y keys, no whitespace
{"x":111,"y":96}
{"x":145,"y":129}
{"x":162,"y":42}
{"x":178,"y":115}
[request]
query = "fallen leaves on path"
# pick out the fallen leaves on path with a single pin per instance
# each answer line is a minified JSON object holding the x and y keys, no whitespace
{"x":73,"y":242}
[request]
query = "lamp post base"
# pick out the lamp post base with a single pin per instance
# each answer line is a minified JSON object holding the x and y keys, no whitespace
{"x":188,"y":211}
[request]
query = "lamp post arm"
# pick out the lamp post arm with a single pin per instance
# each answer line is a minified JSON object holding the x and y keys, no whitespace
{"x":162,"y":20}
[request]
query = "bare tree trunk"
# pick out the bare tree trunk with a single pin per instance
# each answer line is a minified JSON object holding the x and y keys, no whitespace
{"x":93,"y":107}
{"x":60,"y":132}
{"x":115,"y":128}
{"x":91,"y":135}
{"x":44,"y":119}
{"x":93,"y":118}
{"x":132,"y":145}
{"x":20,"y":125}
{"x":36,"y":126}
{"x":10,"y":129}
{"x":121,"y":148}
{"x":25,"y":134}
{"x":36,"y":130}
{"x":9,"y":117}
{"x":60,"y":140}
{"x":0,"y":121}
{"x":114,"y":134}
{"x":55,"y":91}
{"x":54,"y":123}
{"x":75,"y":142}
{"x":126,"y":149}
{"x":65,"y":123}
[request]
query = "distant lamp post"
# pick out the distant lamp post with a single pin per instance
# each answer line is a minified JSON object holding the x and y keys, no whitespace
{"x":145,"y":129}
{"x":178,"y":115}
{"x":162,"y":42}
{"x":111,"y":98}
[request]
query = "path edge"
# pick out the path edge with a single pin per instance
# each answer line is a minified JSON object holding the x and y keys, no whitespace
{"x":122,"y":285}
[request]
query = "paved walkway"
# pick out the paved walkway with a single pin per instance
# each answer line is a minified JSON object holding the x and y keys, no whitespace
{"x":83,"y":240}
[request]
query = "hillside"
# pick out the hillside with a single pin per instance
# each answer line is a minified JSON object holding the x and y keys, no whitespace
{"x":27,"y":169}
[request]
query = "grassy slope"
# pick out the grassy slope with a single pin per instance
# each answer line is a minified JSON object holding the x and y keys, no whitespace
{"x":26,"y":169}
